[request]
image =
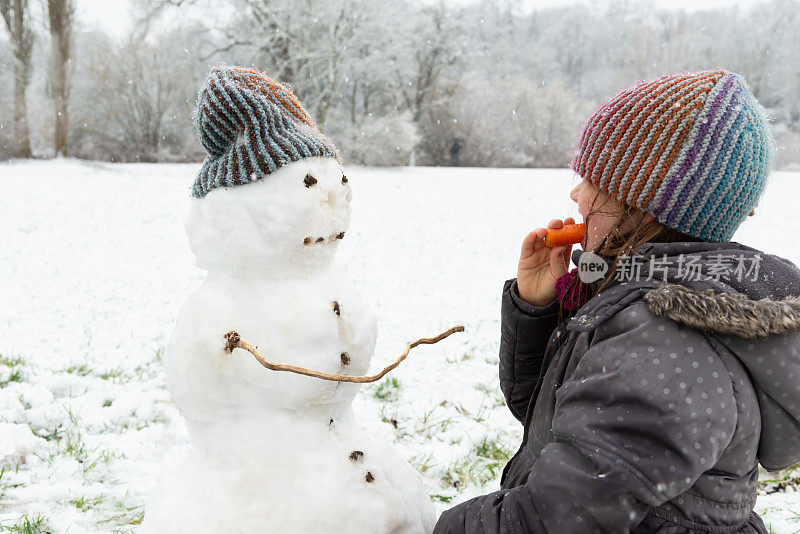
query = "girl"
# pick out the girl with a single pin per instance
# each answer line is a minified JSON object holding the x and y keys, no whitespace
{"x":649,"y":396}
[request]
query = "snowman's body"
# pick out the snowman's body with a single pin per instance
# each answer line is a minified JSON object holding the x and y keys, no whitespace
{"x":278,"y":452}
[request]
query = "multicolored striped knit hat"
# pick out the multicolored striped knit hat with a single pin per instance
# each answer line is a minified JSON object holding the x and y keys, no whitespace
{"x":251,"y":125}
{"x":692,"y":149}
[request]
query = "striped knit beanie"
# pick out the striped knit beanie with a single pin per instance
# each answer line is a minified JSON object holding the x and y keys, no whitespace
{"x":692,"y":149}
{"x":251,"y":125}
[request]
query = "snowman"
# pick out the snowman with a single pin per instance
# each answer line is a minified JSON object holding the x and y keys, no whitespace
{"x":274,"y":452}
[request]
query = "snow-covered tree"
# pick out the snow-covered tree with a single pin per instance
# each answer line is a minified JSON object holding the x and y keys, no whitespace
{"x":60,"y":16}
{"x":453,"y":76}
{"x":16,"y":15}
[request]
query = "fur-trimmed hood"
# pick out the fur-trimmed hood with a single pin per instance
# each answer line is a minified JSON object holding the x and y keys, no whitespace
{"x":725,"y":312}
{"x":753,"y":294}
{"x":756,"y":317}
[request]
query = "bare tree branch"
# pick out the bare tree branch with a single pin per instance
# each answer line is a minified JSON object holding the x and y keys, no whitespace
{"x":234,"y":341}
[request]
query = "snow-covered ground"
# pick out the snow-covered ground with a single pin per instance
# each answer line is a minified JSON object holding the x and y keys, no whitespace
{"x":94,"y":266}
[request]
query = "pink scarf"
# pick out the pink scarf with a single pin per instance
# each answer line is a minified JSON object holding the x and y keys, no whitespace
{"x":571,"y":299}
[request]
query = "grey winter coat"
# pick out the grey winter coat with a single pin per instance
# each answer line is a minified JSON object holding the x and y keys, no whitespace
{"x":650,"y":409}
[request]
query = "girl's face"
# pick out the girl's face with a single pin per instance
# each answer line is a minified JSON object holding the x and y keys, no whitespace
{"x":606,"y":211}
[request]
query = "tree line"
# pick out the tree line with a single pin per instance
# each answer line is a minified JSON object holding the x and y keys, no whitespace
{"x":393,"y":82}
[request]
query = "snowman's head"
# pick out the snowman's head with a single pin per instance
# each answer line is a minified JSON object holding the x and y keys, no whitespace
{"x":271,"y":194}
{"x":291,"y":220}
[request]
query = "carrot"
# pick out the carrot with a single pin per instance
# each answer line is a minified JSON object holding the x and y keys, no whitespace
{"x":566,"y":235}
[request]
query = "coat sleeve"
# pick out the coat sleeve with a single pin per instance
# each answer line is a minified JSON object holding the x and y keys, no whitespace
{"x":645,"y":411}
{"x":524,"y":334}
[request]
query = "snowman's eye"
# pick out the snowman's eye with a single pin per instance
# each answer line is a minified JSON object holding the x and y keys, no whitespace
{"x":309,"y":180}
{"x":344,"y":179}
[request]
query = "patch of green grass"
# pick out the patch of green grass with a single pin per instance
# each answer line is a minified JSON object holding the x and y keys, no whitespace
{"x":393,"y":419}
{"x":483,"y":388}
{"x":116,"y":374}
{"x":115,"y":426}
{"x":14,"y":366}
{"x":147,"y":371}
{"x":482,"y":465}
{"x":423,"y":463}
{"x":15,"y":375}
{"x":108,"y":402}
{"x":10,"y":362}
{"x":493,"y":394}
{"x":27,"y":525}
{"x":73,"y":445}
{"x":468,"y":355}
{"x":430,"y":424}
{"x":146,"y":423}
{"x":73,"y":417}
{"x":444,"y":423}
{"x":84,"y":503}
{"x":492,"y":450}
{"x":76,"y":369}
{"x":388,"y":390}
{"x":47,"y":433}
{"x":779,"y":481}
{"x":436,"y":497}
{"x":122,"y":424}
{"x":125,"y":516}
{"x":459,"y":473}
{"x":480,"y":416}
{"x":5,"y":482}
{"x":106,"y":455}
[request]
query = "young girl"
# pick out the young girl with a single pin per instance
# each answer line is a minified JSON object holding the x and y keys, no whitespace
{"x":649,"y":396}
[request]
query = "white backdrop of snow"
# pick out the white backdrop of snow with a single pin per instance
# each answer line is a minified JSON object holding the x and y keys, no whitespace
{"x":95,"y":266}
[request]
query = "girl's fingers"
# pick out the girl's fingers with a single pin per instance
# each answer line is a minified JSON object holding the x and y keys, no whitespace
{"x":527,"y":245}
{"x":540,"y":234}
{"x":558,"y":264}
{"x":569,"y":220}
{"x":533,"y":242}
{"x":555,"y":223}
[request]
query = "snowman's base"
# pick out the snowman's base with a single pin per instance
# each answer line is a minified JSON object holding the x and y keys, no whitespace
{"x":334,"y":481}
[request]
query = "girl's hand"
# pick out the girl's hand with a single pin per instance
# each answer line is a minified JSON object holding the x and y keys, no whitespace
{"x":540,"y":266}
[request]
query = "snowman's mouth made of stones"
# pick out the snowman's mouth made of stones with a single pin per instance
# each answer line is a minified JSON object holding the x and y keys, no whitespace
{"x":317,"y":240}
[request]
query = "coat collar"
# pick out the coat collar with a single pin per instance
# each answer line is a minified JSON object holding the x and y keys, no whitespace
{"x":704,"y":304}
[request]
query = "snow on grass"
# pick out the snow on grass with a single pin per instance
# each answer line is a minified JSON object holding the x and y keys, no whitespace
{"x":95,"y":265}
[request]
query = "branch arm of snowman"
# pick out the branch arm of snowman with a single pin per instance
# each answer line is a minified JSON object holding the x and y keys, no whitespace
{"x":236,"y":342}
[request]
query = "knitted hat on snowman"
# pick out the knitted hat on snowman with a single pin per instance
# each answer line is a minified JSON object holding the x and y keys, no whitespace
{"x":251,"y":125}
{"x":692,"y":149}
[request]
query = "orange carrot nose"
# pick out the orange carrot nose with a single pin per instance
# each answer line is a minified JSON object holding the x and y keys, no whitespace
{"x":566,"y":235}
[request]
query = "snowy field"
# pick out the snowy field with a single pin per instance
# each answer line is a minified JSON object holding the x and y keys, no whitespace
{"x":94,"y":266}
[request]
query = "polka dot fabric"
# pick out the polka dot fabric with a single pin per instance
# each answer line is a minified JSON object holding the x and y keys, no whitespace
{"x":636,"y":422}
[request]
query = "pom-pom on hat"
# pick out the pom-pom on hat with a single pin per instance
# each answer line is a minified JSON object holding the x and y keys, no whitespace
{"x":251,"y":125}
{"x":692,"y":149}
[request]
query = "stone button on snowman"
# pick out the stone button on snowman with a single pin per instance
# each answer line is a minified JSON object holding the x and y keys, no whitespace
{"x":274,"y":452}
